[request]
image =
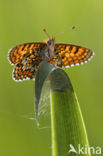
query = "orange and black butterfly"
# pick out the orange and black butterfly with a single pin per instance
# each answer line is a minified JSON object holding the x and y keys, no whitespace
{"x":27,"y":57}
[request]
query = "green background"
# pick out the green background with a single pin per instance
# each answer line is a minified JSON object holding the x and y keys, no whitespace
{"x":23,"y":21}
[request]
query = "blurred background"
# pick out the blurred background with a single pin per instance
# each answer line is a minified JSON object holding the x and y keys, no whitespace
{"x":23,"y":21}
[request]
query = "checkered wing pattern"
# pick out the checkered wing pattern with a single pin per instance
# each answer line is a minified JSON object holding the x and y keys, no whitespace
{"x":26,"y":58}
{"x":18,"y":53}
{"x":26,"y":69}
{"x":67,"y":55}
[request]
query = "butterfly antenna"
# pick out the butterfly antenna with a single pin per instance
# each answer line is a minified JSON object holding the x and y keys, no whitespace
{"x":46,"y":32}
{"x":73,"y":27}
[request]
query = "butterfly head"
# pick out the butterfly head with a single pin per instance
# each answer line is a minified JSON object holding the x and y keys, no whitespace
{"x":51,"y":42}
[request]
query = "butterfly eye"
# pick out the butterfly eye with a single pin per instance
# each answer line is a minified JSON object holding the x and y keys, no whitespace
{"x":49,"y":42}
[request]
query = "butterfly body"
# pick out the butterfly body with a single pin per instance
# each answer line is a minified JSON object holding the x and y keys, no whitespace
{"x":27,"y":57}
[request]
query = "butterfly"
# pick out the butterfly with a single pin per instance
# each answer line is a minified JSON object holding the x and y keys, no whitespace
{"x":27,"y":57}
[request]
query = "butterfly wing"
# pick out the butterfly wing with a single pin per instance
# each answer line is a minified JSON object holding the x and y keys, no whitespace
{"x":26,"y":58}
{"x":67,"y":55}
{"x":18,"y":53}
{"x":26,"y":69}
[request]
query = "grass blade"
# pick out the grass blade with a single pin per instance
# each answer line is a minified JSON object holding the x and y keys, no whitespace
{"x":67,"y":122}
{"x":66,"y":119}
{"x":43,"y":72}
